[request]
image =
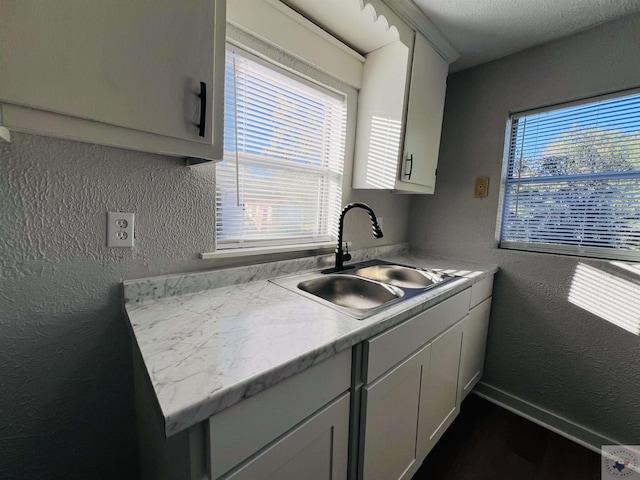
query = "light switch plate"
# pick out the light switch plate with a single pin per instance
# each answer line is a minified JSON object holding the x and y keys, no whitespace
{"x":482,"y":187}
{"x":120,"y":232}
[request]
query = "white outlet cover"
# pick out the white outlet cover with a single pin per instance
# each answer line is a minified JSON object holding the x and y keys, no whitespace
{"x":120,"y":231}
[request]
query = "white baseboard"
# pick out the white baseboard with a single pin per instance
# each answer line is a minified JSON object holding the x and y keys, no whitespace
{"x":551,"y":421}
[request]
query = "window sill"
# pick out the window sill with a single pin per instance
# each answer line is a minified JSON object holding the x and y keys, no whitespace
{"x":574,"y":251}
{"x":326,"y":247}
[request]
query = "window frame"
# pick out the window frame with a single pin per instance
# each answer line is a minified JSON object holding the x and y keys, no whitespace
{"x":291,"y":243}
{"x":606,"y":253}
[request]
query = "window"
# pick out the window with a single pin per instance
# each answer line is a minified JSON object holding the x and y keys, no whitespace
{"x":572,"y":179}
{"x":280,"y":181}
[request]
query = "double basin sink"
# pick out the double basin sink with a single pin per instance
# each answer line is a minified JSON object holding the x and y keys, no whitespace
{"x":363,"y":289}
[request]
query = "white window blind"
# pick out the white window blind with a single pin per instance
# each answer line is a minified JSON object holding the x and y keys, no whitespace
{"x":280,"y":181}
{"x":572,"y":180}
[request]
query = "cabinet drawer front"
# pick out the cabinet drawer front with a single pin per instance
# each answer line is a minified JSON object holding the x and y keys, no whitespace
{"x":242,"y":430}
{"x":387,"y":349}
{"x":481,"y":291}
{"x":315,"y":450}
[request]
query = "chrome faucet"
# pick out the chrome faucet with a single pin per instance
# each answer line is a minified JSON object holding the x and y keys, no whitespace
{"x":341,"y":257}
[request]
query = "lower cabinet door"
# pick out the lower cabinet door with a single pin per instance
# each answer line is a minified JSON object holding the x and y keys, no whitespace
{"x":390,"y":409}
{"x":439,"y":403}
{"x":474,"y":342}
{"x":317,"y":449}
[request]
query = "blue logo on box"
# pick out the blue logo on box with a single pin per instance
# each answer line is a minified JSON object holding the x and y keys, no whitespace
{"x":621,"y":461}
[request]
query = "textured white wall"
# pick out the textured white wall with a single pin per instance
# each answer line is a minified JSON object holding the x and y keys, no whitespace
{"x":541,"y":347}
{"x":66,"y":408}
{"x":66,"y":401}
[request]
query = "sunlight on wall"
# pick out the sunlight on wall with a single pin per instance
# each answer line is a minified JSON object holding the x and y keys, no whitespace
{"x":612,"y":298}
{"x":384,"y":146}
{"x":630,"y":267}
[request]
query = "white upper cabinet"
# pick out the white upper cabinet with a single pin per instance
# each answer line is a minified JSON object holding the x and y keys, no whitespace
{"x":404,"y":64}
{"x":120,"y":73}
{"x":384,"y":158}
{"x":424,"y":119}
{"x":379,"y":119}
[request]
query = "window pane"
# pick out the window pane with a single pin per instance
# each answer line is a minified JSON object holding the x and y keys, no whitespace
{"x":573,"y":180}
{"x":281,"y":177}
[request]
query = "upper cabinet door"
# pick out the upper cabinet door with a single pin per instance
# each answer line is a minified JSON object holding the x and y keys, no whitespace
{"x":379,"y":119}
{"x":137,"y":65}
{"x":424,"y":117}
{"x":384,"y":159}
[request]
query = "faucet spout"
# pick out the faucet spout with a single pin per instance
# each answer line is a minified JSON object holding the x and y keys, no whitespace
{"x":377,"y":231}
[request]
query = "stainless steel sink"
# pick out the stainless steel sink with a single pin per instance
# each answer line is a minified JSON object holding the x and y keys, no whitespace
{"x":400,"y":276}
{"x":364,"y":289}
{"x":351,"y":292}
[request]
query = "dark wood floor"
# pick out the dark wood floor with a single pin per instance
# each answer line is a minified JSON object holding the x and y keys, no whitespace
{"x":487,"y":442}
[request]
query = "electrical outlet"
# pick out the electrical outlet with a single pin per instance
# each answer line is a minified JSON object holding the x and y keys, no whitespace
{"x":120,"y":231}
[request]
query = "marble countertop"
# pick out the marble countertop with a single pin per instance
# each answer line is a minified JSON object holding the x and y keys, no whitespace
{"x":210,"y":339}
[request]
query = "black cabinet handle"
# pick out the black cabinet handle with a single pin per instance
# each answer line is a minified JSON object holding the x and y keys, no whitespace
{"x":409,"y":163}
{"x":203,"y":108}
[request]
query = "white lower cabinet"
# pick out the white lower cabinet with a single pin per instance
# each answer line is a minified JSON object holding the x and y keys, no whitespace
{"x":439,"y":404}
{"x":298,"y":428}
{"x":474,"y":344}
{"x":406,"y":410}
{"x":315,"y":450}
{"x":391,"y":407}
{"x":415,"y":376}
{"x":375,"y":419}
